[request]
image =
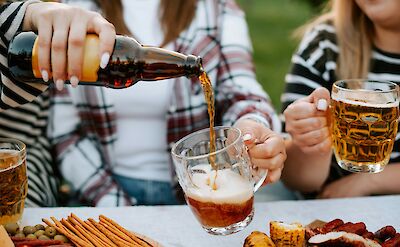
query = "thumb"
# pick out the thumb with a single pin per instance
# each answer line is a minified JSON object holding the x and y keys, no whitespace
{"x":251,"y":135}
{"x":321,"y":98}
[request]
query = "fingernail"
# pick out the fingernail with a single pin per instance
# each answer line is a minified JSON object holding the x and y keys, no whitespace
{"x":247,"y":137}
{"x":45,"y":75}
{"x":60,"y":84}
{"x":322,"y":105}
{"x":74,"y":81}
{"x":104,"y":60}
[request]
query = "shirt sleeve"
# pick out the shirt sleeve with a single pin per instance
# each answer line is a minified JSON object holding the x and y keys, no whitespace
{"x":12,"y":92}
{"x":313,"y":64}
{"x":238,"y":94}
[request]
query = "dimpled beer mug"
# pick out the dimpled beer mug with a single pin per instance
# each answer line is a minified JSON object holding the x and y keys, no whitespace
{"x":219,"y":187}
{"x":364,"y":123}
{"x":13,"y":180}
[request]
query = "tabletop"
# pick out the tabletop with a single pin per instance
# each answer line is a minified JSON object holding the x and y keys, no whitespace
{"x":175,"y":226}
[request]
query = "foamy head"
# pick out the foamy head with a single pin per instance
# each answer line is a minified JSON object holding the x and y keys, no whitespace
{"x":230,"y":186}
{"x":369,"y":103}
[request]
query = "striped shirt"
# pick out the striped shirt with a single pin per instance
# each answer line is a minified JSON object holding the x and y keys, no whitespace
{"x":314,"y":66}
{"x":24,"y":115}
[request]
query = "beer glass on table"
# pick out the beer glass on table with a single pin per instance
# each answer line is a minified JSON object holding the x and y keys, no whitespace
{"x":221,"y":196}
{"x":364,"y":123}
{"x":13,"y":180}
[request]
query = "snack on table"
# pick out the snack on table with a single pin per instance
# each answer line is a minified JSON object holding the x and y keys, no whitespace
{"x":287,"y":235}
{"x":338,"y":233}
{"x":258,"y":239}
{"x":104,"y":233}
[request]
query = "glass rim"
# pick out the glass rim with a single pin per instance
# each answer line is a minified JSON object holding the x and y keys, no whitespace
{"x":203,"y":156}
{"x":22,"y":150}
{"x":396,"y":87}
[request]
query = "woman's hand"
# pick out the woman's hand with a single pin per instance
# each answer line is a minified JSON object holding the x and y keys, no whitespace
{"x":353,"y":185}
{"x":307,"y":122}
{"x":62,"y":31}
{"x":266,"y":148}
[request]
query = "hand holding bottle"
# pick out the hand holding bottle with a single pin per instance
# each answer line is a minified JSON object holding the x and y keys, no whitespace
{"x":62,"y":30}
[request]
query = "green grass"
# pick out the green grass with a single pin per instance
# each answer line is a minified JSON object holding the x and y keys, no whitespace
{"x":271,"y":24}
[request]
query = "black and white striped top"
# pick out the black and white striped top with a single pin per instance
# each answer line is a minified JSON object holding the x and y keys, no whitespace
{"x":24,"y":113}
{"x":314,"y":65}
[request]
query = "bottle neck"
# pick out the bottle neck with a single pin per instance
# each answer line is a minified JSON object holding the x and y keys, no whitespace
{"x":193,"y":66}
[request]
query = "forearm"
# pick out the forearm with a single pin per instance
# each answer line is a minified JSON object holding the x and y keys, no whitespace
{"x":387,"y":181}
{"x":305,"y":172}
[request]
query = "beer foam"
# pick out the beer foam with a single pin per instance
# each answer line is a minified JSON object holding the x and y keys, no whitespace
{"x":367,"y":104}
{"x":231,"y":187}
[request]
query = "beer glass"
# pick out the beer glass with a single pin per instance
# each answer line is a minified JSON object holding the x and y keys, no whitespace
{"x":364,"y":123}
{"x":13,"y":180}
{"x":220,"y":196}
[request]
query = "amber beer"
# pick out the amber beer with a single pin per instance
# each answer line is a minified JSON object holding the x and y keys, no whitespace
{"x":363,"y":134}
{"x":13,"y":182}
{"x":229,"y":203}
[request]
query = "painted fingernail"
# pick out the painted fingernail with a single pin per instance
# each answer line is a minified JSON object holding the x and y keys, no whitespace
{"x":60,"y":84}
{"x":104,"y":60}
{"x":322,"y":105}
{"x":74,"y":81}
{"x":45,"y":75}
{"x":246,"y":137}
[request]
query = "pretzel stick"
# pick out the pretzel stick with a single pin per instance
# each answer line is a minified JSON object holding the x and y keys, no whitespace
{"x":118,"y":241}
{"x":93,"y":238}
{"x":47,"y":222}
{"x":75,"y":231}
{"x":69,"y":234}
{"x":117,"y":232}
{"x":88,"y":225}
{"x":94,"y":230}
{"x":76,"y":220}
{"x":130,"y":234}
{"x":84,"y":232}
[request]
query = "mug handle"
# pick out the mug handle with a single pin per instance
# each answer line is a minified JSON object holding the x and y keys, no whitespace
{"x":259,"y":176}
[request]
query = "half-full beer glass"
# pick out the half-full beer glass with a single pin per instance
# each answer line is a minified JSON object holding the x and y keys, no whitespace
{"x":220,"y":196}
{"x":364,"y":123}
{"x":13,"y":180}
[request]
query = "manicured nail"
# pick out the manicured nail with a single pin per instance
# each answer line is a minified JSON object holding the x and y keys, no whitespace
{"x":322,"y":105}
{"x":60,"y":84}
{"x":45,"y":75}
{"x":247,"y":137}
{"x":104,"y":60}
{"x":74,"y":81}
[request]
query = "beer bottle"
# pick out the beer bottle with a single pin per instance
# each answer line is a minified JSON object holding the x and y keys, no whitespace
{"x":130,"y":62}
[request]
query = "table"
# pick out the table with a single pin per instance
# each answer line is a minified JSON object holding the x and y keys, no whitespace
{"x":175,"y":226}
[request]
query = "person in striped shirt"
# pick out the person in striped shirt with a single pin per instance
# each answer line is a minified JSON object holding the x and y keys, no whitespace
{"x":353,"y":39}
{"x":24,"y":108}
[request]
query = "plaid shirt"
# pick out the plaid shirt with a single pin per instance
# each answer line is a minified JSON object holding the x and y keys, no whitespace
{"x":83,"y":120}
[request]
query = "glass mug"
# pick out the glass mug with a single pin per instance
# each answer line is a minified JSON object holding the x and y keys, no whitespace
{"x":13,"y":180}
{"x":222,"y":199}
{"x":364,"y":123}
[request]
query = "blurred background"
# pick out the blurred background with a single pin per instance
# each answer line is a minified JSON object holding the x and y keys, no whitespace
{"x":271,"y":24}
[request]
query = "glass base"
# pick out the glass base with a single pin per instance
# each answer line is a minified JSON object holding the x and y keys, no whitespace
{"x":222,"y":231}
{"x":365,"y":168}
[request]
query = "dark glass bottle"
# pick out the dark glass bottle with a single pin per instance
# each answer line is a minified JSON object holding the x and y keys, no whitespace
{"x":130,"y":62}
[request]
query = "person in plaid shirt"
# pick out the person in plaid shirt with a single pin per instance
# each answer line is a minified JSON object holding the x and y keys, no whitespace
{"x":113,"y":145}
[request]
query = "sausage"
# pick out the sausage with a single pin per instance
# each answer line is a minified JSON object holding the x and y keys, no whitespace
{"x":328,"y":227}
{"x":393,"y":242}
{"x":357,"y":228}
{"x":385,"y":232}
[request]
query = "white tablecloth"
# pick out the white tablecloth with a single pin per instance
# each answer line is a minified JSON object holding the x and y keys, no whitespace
{"x":176,"y":226}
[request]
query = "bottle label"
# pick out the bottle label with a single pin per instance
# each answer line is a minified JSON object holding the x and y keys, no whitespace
{"x":91,"y":59}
